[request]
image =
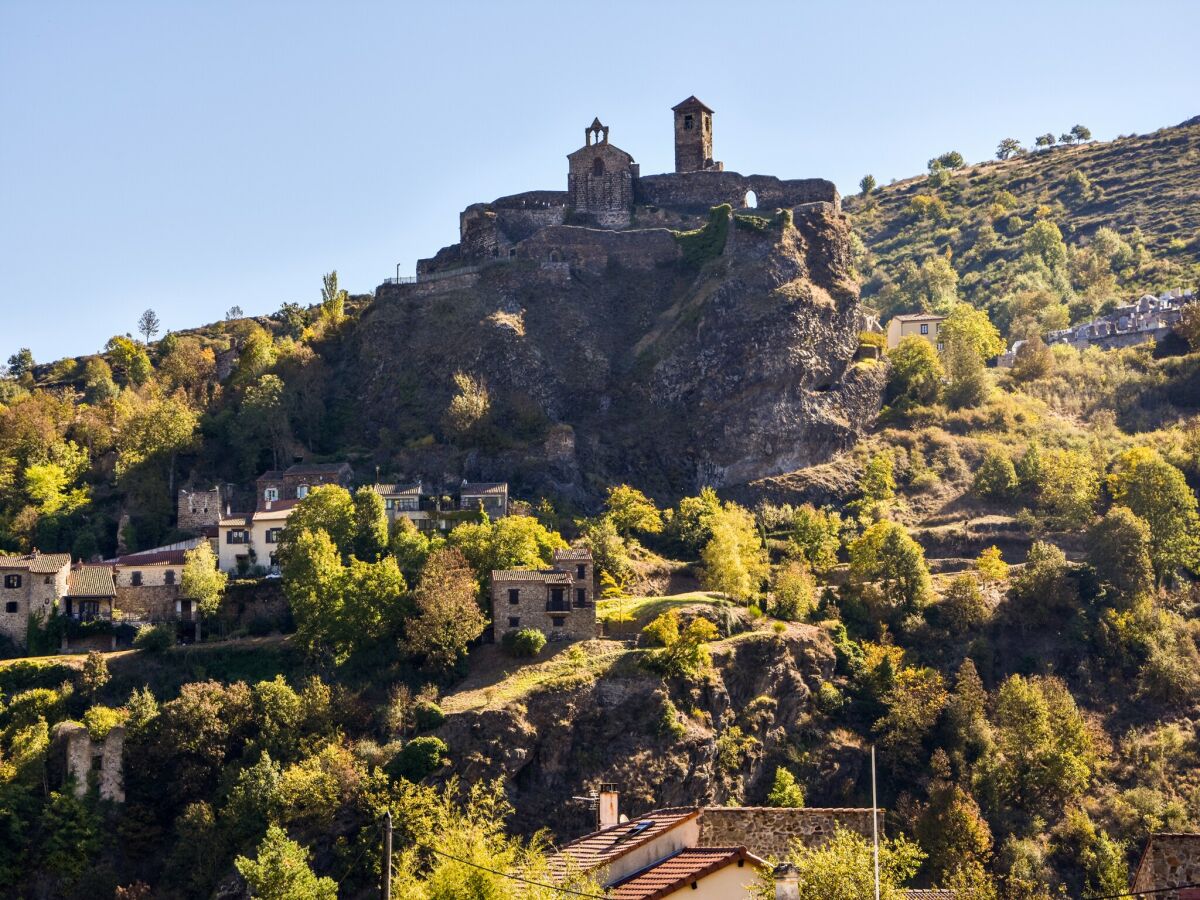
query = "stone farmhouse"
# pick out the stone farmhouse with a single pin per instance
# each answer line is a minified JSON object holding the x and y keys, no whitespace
{"x":432,"y":510}
{"x":558,"y":601}
{"x":698,"y":852}
{"x":586,"y":227}
{"x":926,"y":325}
{"x":148,"y":582}
{"x":31,"y":585}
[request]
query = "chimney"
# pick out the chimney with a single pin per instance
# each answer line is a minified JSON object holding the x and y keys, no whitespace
{"x":608,"y":814}
{"x":787,"y":882}
{"x":268,"y":503}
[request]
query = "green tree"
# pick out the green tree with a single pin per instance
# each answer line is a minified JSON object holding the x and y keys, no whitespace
{"x":1158,"y":493}
{"x":1067,"y":486}
{"x":157,"y":432}
{"x":682,"y":652}
{"x":514,"y":542}
{"x":280,"y":871}
{"x":1045,"y":140}
{"x":130,"y":359}
{"x":264,"y":418}
{"x":794,"y":591}
{"x":843,"y":867}
{"x":609,"y":553}
{"x":1043,"y":590}
{"x":410,"y":547}
{"x":333,"y":299}
{"x":867,"y":185}
{"x":1044,"y":241}
{"x":815,"y":537}
{"x":996,"y":478}
{"x":148,"y":325}
{"x":1043,"y":756}
{"x":631,"y":510}
{"x":691,"y":522}
{"x":735,"y":561}
{"x":916,"y":372}
{"x":94,"y":675}
{"x":370,"y":525}
{"x":469,"y":406}
{"x":952,"y":159}
{"x":72,"y":838}
{"x":971,"y":327}
{"x":1008,"y":148}
{"x":1081,"y":133}
{"x":1119,"y":551}
{"x":951,"y":827}
{"x":963,"y":605}
{"x":256,"y":353}
{"x":201,"y":580}
{"x":20,"y":363}
{"x":913,"y":705}
{"x":447,"y":617}
{"x":892,"y":565}
{"x":328,"y":508}
{"x":785,"y":791}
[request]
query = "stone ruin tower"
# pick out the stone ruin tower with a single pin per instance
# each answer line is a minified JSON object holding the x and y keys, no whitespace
{"x":693,"y":137}
{"x":600,"y":179}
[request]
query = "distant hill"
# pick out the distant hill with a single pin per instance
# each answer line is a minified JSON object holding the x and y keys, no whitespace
{"x":1142,"y":186}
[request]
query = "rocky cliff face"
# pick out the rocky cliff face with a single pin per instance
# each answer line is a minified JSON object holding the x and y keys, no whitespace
{"x":753,"y":712}
{"x":625,"y":356}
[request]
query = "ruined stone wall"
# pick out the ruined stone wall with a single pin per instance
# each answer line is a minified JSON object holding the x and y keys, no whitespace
{"x":196,"y":510}
{"x":768,"y":831}
{"x":592,"y":249}
{"x":89,"y":762}
{"x":698,"y":191}
{"x":1169,"y":861}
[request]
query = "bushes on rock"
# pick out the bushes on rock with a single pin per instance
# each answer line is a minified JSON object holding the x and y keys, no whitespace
{"x":419,"y":758}
{"x":427,"y":715}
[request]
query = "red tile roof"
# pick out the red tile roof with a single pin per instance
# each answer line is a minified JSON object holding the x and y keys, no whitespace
{"x":153,"y":558}
{"x":41,"y":563}
{"x":91,"y":581}
{"x":680,"y":869}
{"x":602,"y":847}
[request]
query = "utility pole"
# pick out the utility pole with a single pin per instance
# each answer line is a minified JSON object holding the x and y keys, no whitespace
{"x":875,"y":825}
{"x":386,"y":893}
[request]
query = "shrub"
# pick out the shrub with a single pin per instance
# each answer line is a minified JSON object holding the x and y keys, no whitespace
{"x":100,"y":720}
{"x":963,"y":605}
{"x":829,"y":699}
{"x":996,"y":478}
{"x":785,"y":792}
{"x":419,"y":758}
{"x":154,"y":638}
{"x":427,"y":715}
{"x":526,"y":643}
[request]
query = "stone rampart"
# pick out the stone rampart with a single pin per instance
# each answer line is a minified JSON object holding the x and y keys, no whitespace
{"x":698,"y":191}
{"x":769,"y":831}
{"x":593,"y":249}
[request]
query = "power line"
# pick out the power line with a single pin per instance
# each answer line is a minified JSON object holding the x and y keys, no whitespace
{"x":1166,"y":890}
{"x":541,"y":884}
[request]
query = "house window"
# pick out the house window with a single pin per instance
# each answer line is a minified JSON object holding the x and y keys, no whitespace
{"x":135,"y":578}
{"x":273,"y":535}
{"x":941,"y":346}
{"x":273,"y":559}
{"x":924,"y":329}
{"x":169,"y":576}
{"x":514,"y":595}
{"x":558,"y":621}
{"x":236,"y":536}
{"x":514,"y":622}
{"x":557,"y":600}
{"x":302,"y":492}
{"x":12,"y":581}
{"x":580,"y":596}
{"x":688,"y":122}
{"x":389,"y":503}
{"x":12,"y":606}
{"x":580,"y":572}
{"x":46,"y":580}
{"x":271,"y":493}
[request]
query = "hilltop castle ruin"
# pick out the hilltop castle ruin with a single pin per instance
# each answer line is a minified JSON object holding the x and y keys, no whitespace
{"x":606,"y":191}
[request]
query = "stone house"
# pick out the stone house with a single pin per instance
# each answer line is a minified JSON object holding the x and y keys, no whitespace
{"x":32,"y":584}
{"x":295,"y":482}
{"x":249,"y":540}
{"x":433,"y":511}
{"x":703,"y":851}
{"x":148,"y":582}
{"x":558,"y":601}
{"x":492,"y":498}
{"x":1169,"y":862}
{"x":926,"y":325}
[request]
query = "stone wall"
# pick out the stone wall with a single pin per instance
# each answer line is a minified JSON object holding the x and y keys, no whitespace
{"x":593,"y":249}
{"x":698,"y":191}
{"x":249,"y":604}
{"x":1169,"y":861}
{"x":767,"y":831}
{"x":198,"y":509}
{"x":147,"y":603}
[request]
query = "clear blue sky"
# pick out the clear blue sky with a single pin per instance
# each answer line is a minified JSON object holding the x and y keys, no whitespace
{"x":189,"y":156}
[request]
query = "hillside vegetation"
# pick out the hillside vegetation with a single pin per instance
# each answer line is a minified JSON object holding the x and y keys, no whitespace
{"x":1128,"y":212}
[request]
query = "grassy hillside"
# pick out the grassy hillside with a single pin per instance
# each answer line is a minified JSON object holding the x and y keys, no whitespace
{"x":978,"y":218}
